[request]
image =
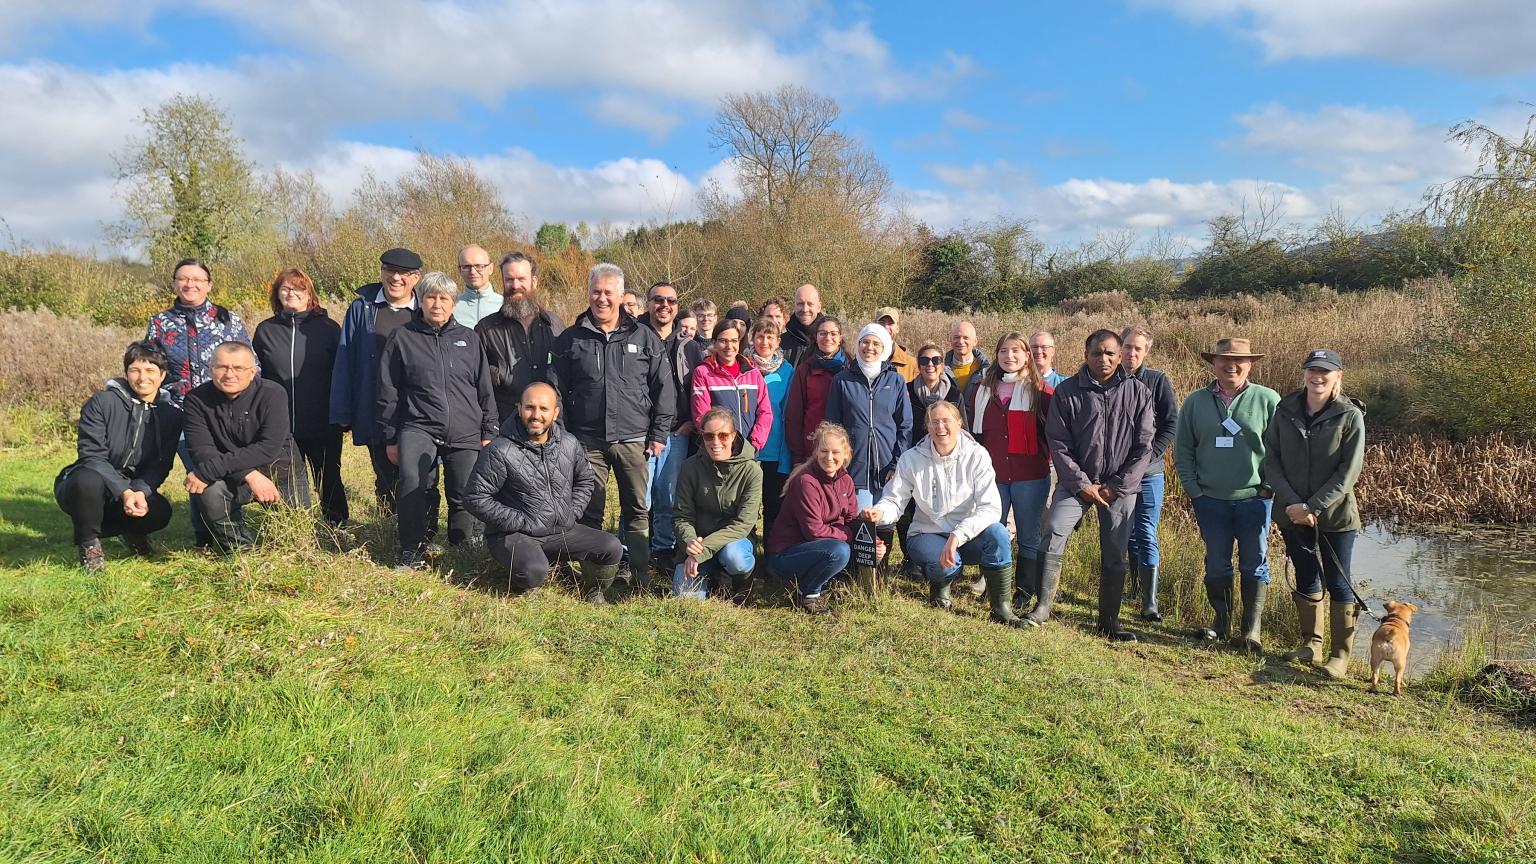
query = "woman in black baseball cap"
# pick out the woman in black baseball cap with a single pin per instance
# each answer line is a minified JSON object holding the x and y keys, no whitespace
{"x":1313,"y":450}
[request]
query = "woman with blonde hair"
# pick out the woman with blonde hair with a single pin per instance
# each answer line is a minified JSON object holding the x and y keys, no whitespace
{"x":1313,"y":450}
{"x":809,"y":541}
{"x":1007,"y":406}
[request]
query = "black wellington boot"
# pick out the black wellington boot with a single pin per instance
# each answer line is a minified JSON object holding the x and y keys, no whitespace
{"x":1220,"y":598}
{"x":1253,"y":615}
{"x":1000,"y":595}
{"x":1111,"y":587}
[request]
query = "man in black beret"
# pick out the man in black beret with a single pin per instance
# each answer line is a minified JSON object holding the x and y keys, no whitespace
{"x":379,"y":309}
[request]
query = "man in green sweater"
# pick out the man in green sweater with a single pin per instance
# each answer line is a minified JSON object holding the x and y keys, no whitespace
{"x":1218,"y":450}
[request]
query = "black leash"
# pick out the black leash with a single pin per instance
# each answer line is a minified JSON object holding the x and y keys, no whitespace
{"x":1318,"y":543}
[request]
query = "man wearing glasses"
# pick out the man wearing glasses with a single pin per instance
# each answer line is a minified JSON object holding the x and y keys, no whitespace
{"x":683,"y":354}
{"x":519,"y":336}
{"x":479,"y":298}
{"x":380,"y":308}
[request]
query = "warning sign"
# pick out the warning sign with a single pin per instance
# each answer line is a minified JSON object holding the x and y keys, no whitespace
{"x":864,"y":545}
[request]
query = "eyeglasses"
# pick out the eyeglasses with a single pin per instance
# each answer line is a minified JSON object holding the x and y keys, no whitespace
{"x":192,"y":280}
{"x":930,"y":361}
{"x":665,"y":301}
{"x":223,"y":368}
{"x":394,"y":271}
{"x":835,"y":334}
{"x":475,"y":267}
{"x":716,"y":436}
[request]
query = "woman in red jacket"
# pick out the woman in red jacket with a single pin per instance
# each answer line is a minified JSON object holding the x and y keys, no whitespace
{"x":809,"y":541}
{"x":1006,"y":408}
{"x":807,"y":402}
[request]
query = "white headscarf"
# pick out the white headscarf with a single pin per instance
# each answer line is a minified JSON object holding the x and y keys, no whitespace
{"x":871,"y":369}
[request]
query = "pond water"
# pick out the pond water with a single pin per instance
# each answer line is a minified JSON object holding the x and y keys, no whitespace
{"x":1453,"y":579}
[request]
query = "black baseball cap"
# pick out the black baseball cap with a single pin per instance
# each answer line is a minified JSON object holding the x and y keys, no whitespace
{"x":1324,"y":358}
{"x":401,"y":259}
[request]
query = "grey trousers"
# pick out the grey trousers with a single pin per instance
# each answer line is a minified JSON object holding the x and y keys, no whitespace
{"x":1115,"y":522}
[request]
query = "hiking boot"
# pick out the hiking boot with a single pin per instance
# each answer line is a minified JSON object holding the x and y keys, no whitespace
{"x":1050,"y":578}
{"x":1341,"y":627}
{"x":92,"y":559}
{"x":139,"y":545}
{"x":1309,"y":617}
{"x":814,"y":604}
{"x":1220,"y":598}
{"x":1253,"y":615}
{"x":596,"y":579}
{"x":411,"y":559}
{"x":938,"y":595}
{"x":1000,"y":595}
{"x":1147,"y":576}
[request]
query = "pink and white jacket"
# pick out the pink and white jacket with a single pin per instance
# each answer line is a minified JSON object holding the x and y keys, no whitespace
{"x":740,"y":389}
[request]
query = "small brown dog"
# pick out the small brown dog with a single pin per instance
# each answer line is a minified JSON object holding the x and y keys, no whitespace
{"x":1390,"y":644}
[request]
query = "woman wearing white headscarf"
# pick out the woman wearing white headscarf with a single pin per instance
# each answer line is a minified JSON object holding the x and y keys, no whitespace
{"x":869,"y":399}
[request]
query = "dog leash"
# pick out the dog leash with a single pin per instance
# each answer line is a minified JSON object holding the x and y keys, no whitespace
{"x":1318,"y":542}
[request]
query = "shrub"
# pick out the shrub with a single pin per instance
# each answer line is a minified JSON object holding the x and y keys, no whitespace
{"x":55,"y":363}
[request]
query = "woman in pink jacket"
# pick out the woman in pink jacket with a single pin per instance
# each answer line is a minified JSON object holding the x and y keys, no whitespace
{"x":727,"y":379}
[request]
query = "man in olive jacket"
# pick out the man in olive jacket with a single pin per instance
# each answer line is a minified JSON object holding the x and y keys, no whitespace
{"x":527,"y":487}
{"x":618,"y":399}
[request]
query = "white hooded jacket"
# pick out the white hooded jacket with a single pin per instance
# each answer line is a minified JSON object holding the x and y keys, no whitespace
{"x":955,"y":494}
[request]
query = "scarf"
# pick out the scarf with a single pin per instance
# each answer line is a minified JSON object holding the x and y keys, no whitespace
{"x":927,"y":396}
{"x":768,"y":365}
{"x":1022,"y":438}
{"x":833,"y":364}
{"x":871,"y":368}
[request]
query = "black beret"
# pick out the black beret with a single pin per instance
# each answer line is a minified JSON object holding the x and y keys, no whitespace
{"x":401,"y":259}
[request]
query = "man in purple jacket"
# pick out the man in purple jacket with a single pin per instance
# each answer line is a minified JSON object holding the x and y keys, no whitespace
{"x":1100,"y":431}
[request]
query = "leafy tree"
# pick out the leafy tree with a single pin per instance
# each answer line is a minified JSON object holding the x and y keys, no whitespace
{"x":189,"y":190}
{"x":552,"y":237}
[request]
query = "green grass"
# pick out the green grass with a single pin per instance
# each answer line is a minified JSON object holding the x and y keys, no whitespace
{"x":302,"y":705}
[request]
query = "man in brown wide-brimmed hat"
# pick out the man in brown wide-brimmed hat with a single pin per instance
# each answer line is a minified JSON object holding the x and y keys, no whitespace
{"x":1217,"y":450}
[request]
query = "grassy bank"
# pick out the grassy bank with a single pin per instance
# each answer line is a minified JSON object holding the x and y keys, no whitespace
{"x":305,"y":705}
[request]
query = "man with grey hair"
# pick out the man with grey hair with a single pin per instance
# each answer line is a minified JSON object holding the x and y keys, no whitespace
{"x":615,"y":382}
{"x":1042,"y":350}
{"x":435,"y":407}
{"x":479,"y":298}
{"x":518,"y":338}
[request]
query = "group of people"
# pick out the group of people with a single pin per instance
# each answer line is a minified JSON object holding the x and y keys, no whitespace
{"x":767,"y":431}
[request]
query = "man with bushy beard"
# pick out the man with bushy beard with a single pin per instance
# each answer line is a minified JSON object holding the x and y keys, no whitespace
{"x":518,"y":340}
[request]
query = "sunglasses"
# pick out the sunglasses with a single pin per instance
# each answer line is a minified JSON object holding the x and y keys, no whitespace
{"x":716,"y":436}
{"x":930,"y":361}
{"x":665,"y":301}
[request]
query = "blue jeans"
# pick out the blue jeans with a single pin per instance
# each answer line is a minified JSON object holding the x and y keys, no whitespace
{"x":736,"y":559}
{"x":664,"y":471}
{"x":1223,"y":523}
{"x":202,"y":535}
{"x":990,"y":548}
{"x":1026,"y":498}
{"x":809,"y":566}
{"x":1302,"y":548}
{"x":1149,"y":511}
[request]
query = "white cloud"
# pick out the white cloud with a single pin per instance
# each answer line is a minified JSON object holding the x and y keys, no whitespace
{"x":1479,"y":36}
{"x":634,"y":112}
{"x":962,"y":119}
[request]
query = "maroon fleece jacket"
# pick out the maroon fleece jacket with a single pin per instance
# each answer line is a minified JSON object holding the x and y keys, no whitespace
{"x":816,"y":507}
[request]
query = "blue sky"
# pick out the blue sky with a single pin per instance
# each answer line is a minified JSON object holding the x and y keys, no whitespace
{"x":1092,"y":119}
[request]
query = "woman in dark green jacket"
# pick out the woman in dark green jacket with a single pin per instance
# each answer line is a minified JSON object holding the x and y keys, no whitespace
{"x":1313,"y":450}
{"x":719,"y":497}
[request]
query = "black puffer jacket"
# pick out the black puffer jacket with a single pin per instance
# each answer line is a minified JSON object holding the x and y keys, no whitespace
{"x":129,"y":442}
{"x":614,"y":387}
{"x":298,"y":351}
{"x":436,"y":380}
{"x":519,"y":487}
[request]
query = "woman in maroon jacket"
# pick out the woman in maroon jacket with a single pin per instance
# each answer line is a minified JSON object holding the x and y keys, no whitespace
{"x":1006,"y":408}
{"x":809,"y":541}
{"x":807,"y":400}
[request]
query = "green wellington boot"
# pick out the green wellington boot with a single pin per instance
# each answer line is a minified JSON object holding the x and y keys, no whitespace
{"x":1253,"y":616}
{"x":596,"y":580}
{"x":1309,"y":617}
{"x":938,"y":595}
{"x":1000,"y":595}
{"x":1341,"y":626}
{"x":1147,"y":576}
{"x":1111,"y":587}
{"x":1050,"y":578}
{"x":1026,"y":584}
{"x":1220,"y":598}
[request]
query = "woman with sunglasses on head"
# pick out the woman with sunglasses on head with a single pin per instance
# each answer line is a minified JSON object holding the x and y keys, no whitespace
{"x":1313,"y":450}
{"x":806,"y":405}
{"x":719,"y":497}
{"x":1007,"y":406}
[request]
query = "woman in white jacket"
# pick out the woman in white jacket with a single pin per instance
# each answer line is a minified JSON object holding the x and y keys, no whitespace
{"x":958,"y":520}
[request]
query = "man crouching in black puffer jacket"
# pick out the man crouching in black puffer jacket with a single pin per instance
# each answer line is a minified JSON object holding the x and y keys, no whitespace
{"x":528,"y":487}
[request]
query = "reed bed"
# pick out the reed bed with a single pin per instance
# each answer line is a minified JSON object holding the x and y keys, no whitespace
{"x":1427,"y":480}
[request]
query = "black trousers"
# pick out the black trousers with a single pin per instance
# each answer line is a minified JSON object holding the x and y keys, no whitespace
{"x":773,"y":490}
{"x":386,"y":482}
{"x":97,"y":513}
{"x":420,"y":456}
{"x":323,"y":456}
{"x":222,"y":504}
{"x":527,"y":559}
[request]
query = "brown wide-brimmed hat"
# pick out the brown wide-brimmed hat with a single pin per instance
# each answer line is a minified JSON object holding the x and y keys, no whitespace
{"x":1234,"y":347}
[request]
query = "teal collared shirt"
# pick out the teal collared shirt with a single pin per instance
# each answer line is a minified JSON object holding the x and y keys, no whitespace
{"x":473,"y":305}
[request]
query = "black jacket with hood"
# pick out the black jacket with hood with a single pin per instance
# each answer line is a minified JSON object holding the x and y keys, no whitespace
{"x":519,"y":487}
{"x":516,"y":356}
{"x":436,"y":380}
{"x":614,"y":387}
{"x":298,"y":351}
{"x":129,"y":442}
